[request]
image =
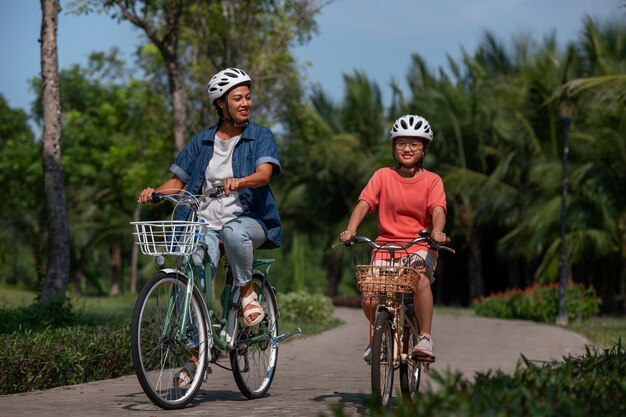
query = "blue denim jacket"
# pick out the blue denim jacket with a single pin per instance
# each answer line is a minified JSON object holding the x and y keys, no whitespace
{"x":256,"y":146}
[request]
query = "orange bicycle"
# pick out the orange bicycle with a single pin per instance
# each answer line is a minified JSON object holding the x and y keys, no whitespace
{"x":387,"y":276}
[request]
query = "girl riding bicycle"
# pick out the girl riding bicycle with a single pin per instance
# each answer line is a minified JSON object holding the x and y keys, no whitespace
{"x":242,"y":156}
{"x":408,"y":198}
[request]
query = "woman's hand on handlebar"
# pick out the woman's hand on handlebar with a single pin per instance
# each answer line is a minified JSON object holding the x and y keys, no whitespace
{"x":233,"y":184}
{"x":145,"y":197}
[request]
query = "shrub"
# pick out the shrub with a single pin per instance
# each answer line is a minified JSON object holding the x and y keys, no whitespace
{"x":43,"y":348}
{"x":56,"y":357}
{"x":539,"y":303}
{"x":586,"y":386}
{"x":304,"y":308}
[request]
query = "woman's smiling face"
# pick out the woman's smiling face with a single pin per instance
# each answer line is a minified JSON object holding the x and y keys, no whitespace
{"x":239,"y":101}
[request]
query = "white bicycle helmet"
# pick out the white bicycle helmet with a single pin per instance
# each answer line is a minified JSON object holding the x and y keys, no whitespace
{"x":412,"y":125}
{"x":224,"y":81}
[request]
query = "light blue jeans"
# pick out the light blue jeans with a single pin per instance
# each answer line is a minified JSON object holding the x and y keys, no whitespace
{"x":240,"y":237}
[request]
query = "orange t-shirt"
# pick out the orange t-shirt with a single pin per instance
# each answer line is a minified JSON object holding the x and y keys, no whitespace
{"x":405,"y":205}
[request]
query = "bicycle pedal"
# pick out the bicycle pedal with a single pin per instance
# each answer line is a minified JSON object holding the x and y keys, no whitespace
{"x":424,"y":358}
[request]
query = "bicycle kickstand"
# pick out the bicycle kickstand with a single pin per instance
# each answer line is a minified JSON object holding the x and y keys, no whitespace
{"x":276,"y":340}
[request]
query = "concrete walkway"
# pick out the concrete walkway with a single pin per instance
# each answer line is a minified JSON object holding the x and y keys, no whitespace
{"x":315,"y":373}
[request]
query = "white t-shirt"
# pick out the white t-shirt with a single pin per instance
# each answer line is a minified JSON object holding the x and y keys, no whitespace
{"x":218,"y":211}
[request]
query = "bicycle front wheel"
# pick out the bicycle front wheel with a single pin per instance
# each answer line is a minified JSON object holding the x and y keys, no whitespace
{"x":410,"y":370}
{"x":382,"y":358}
{"x":161,"y":345}
{"x":255,"y":355}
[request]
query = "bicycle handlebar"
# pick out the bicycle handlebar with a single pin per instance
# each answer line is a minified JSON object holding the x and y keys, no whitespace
{"x":218,"y":192}
{"x":424,"y":237}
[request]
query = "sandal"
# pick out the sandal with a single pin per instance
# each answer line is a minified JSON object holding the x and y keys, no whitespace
{"x":249,"y":306}
{"x":185,"y":375}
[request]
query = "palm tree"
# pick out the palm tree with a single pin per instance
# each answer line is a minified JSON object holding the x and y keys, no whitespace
{"x":595,"y":236}
{"x":333,"y":151}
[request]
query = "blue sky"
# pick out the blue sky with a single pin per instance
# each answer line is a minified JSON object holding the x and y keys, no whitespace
{"x":377,"y":37}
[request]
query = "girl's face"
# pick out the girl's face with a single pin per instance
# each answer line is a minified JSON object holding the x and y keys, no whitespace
{"x":239,"y":104}
{"x":408,"y":151}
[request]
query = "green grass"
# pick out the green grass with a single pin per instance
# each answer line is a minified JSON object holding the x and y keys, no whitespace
{"x":119,"y":310}
{"x":13,"y":297}
{"x":602,"y":331}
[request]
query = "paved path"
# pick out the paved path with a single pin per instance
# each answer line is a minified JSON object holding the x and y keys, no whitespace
{"x":314,"y":373}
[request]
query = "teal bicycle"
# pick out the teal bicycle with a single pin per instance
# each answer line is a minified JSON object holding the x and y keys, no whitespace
{"x":177,"y":326}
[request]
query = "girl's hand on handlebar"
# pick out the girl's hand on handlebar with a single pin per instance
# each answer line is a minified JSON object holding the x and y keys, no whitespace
{"x":145,"y":197}
{"x":440,"y":238}
{"x":346,"y":236}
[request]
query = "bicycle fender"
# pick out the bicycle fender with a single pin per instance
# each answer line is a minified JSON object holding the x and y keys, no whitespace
{"x":173,"y":271}
{"x":270,"y":286}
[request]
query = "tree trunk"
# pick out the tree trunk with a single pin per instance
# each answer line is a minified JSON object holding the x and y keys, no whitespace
{"x":168,"y":47}
{"x":178,"y":97}
{"x":333,"y":275}
{"x":116,"y":270}
{"x":79,"y":274}
{"x":57,"y":272}
{"x":475,"y":266}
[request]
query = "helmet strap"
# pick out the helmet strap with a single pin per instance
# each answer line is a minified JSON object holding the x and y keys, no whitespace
{"x":228,"y":120}
{"x":231,"y":121}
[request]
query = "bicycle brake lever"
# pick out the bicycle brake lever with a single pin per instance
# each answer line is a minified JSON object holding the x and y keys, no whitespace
{"x":219,"y":193}
{"x":218,"y":190}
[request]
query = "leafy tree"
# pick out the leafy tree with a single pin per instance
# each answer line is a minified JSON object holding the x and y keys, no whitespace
{"x":114,"y":134}
{"x":331,"y":153}
{"x":195,"y":39}
{"x":21,"y":179}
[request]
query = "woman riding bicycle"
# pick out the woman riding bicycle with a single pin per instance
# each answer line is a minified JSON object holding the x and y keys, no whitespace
{"x":244,"y":157}
{"x":409,"y":199}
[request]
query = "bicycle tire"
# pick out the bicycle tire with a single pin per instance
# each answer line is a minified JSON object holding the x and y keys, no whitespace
{"x":157,"y":353}
{"x":410,"y":370}
{"x":254,"y":364}
{"x":382,"y":359}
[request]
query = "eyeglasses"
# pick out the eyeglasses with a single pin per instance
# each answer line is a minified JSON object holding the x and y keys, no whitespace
{"x":414,"y":146}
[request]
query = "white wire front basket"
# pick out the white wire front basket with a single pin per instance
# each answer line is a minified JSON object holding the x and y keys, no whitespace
{"x":170,"y":237}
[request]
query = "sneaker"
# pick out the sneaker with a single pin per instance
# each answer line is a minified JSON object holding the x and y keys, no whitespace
{"x":186,"y":374}
{"x":424,"y":346}
{"x":367,"y":355}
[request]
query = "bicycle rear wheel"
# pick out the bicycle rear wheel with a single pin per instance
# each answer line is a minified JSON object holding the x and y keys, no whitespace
{"x":382,"y":358}
{"x":160,"y":347}
{"x":410,"y":370}
{"x":255,"y":355}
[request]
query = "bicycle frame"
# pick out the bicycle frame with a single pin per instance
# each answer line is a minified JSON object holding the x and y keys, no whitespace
{"x":221,"y":327}
{"x":398,"y":311}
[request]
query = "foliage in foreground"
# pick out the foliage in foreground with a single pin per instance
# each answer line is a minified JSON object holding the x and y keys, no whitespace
{"x":589,"y":385}
{"x":43,"y":348}
{"x":64,"y":356}
{"x":539,"y":303}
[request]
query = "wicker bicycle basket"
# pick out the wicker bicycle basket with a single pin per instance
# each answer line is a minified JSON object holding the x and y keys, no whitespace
{"x":386,"y":279}
{"x":175,"y":237}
